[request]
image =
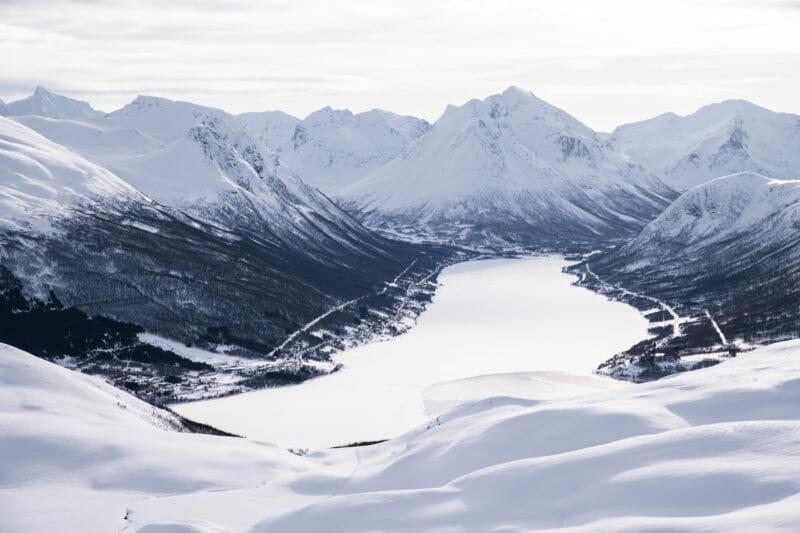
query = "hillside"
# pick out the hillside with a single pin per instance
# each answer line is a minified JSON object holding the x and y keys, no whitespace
{"x":46,"y":104}
{"x":332,"y":148}
{"x":717,"y":140}
{"x":175,"y":218}
{"x":509,"y":170}
{"x":725,"y":256}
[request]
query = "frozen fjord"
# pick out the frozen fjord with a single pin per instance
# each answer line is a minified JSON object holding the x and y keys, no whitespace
{"x":488,"y":317}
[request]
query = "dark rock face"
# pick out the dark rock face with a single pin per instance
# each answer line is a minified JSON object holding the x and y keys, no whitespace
{"x":572,"y":147}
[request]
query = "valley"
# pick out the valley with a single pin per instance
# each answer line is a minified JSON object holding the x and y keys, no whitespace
{"x":494,"y":316}
{"x":500,"y":320}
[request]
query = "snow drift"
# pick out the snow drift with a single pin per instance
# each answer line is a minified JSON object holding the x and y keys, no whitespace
{"x":715,"y":450}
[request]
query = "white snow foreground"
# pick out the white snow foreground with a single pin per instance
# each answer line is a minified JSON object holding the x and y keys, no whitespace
{"x":717,"y":449}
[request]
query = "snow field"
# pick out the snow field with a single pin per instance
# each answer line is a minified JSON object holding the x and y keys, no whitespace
{"x":717,"y":449}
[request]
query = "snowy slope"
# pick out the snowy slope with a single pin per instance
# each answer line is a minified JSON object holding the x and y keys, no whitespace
{"x":43,"y":181}
{"x":75,"y":452}
{"x":714,"y":450}
{"x":275,"y":128}
{"x":724,"y":208}
{"x":210,"y":165}
{"x":717,"y":140}
{"x":332,"y":148}
{"x":730,"y":246}
{"x":703,"y":451}
{"x":3,"y":108}
{"x":46,"y":104}
{"x":221,"y":243}
{"x":510,"y":167}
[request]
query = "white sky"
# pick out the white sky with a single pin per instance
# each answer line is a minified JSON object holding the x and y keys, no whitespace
{"x":606,"y":62}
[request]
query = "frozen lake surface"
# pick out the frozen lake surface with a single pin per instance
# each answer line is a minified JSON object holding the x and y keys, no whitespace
{"x":488,"y":317}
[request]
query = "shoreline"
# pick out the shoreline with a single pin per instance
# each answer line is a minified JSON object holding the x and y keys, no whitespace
{"x":497,"y":316}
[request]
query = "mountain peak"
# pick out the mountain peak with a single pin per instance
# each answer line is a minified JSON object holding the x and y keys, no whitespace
{"x":328,"y":114}
{"x":734,"y":108}
{"x":48,"y":104}
{"x":141,"y":105}
{"x":517,"y":94}
{"x":514,"y":108}
{"x":717,"y":140}
{"x":515,"y":89}
{"x":738,"y":103}
{"x":146,"y":103}
{"x":494,"y":105}
{"x":41,"y":92}
{"x":495,"y":163}
{"x":148,"y":99}
{"x":331,"y":148}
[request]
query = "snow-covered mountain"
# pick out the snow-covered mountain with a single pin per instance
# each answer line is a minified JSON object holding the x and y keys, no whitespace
{"x":210,"y":165}
{"x":176,"y":218}
{"x":717,"y":140}
{"x":275,"y":128}
{"x":510,"y":169}
{"x":332,"y":148}
{"x":3,"y":108}
{"x":43,"y":181}
{"x":216,"y":167}
{"x":714,"y":450}
{"x":724,"y":209}
{"x":46,"y":104}
{"x":727,"y":250}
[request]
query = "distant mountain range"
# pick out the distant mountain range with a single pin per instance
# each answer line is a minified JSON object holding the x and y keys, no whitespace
{"x":176,"y":218}
{"x":332,"y":148}
{"x":717,"y":140}
{"x":510,"y":170}
{"x":219,"y":230}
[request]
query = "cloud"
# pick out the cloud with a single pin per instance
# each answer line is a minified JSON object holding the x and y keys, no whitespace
{"x":413,"y":56}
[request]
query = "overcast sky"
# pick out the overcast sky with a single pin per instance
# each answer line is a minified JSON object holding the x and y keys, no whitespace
{"x":606,"y":62}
